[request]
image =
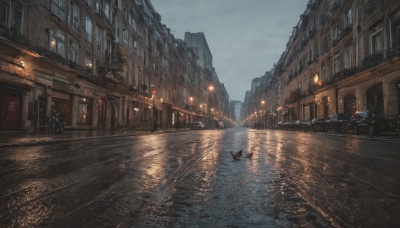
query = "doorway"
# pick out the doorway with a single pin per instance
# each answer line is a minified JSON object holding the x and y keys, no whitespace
{"x":10,"y":116}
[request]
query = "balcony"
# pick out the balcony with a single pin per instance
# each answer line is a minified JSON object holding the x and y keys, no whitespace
{"x":58,"y":11}
{"x":15,"y":36}
{"x":372,"y":60}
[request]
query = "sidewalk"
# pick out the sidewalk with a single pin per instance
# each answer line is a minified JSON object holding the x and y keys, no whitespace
{"x":13,"y":139}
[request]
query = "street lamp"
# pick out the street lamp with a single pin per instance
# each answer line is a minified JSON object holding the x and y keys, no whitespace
{"x":211,"y":88}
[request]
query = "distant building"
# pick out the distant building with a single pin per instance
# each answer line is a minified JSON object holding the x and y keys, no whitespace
{"x":198,"y":42}
{"x":236,"y":107}
{"x":342,"y":57}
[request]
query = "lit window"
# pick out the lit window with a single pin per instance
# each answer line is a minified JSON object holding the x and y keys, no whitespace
{"x":85,"y":111}
{"x":88,"y":61}
{"x":57,"y":41}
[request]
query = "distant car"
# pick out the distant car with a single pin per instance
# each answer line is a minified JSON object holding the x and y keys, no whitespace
{"x":318,"y":124}
{"x":336,"y":121}
{"x":372,"y":122}
{"x":198,"y":125}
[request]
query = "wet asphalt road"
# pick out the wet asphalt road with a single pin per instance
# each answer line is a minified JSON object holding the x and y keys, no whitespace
{"x":189,"y":179}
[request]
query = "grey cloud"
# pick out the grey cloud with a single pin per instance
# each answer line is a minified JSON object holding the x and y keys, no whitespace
{"x":245,"y":37}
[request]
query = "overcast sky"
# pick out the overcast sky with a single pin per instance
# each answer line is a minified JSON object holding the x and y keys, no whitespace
{"x":246,"y":37}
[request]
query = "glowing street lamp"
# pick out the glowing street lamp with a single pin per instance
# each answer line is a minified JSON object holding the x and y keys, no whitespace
{"x":316,"y":79}
{"x":211,"y":88}
{"x":263,"y":102}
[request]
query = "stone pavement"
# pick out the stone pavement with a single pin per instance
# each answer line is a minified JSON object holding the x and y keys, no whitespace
{"x":16,"y":138}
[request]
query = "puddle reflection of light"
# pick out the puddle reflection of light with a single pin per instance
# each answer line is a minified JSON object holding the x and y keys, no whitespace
{"x":352,"y":145}
{"x":154,"y":165}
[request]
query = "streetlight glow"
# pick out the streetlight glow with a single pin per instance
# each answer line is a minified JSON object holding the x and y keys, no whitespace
{"x":316,"y":79}
{"x":262,"y":102}
{"x":211,"y":88}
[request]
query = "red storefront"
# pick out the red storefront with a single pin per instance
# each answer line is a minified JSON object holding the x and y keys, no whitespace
{"x":10,"y":103}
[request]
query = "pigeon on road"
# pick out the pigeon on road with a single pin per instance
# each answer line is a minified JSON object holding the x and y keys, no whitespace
{"x":237,"y":155}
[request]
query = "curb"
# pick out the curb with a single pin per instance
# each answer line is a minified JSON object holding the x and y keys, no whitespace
{"x":67,"y":140}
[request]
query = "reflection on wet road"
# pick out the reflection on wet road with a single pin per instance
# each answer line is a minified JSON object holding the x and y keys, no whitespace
{"x":189,"y":179}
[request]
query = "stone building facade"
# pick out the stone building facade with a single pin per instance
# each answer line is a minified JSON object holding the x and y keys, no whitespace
{"x":342,"y":57}
{"x":99,"y":63}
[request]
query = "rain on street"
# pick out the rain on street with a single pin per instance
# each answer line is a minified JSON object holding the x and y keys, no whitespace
{"x":189,"y":179}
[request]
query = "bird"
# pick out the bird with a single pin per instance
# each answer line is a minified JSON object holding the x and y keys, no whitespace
{"x":237,"y":155}
{"x":249,"y":155}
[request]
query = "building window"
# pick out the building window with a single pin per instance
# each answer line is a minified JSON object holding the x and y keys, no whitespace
{"x":96,"y":6}
{"x":125,"y":37}
{"x":88,"y":61}
{"x":336,"y":64}
{"x":89,"y":2}
{"x":17,"y":19}
{"x":73,"y":51}
{"x":99,"y":39}
{"x":75,"y":17}
{"x":348,"y":20}
{"x":58,"y":8}
{"x":57,"y":41}
{"x":376,"y":40}
{"x":85,"y":111}
{"x":89,"y":29}
{"x":133,"y":23}
{"x":108,"y":48}
{"x":323,"y":72}
{"x":325,"y":45}
{"x":395,"y":31}
{"x":107,"y":10}
{"x":348,"y":59}
{"x":335,"y":32}
{"x":3,"y":14}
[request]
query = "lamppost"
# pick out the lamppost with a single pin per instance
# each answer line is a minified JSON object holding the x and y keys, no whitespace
{"x":210,"y":89}
{"x":190,"y":102}
{"x":262,"y":111}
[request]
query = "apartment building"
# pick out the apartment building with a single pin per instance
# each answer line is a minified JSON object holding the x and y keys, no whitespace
{"x":99,"y":63}
{"x":342,"y":57}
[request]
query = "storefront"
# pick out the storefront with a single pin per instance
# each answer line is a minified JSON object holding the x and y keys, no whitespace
{"x":10,"y":103}
{"x":62,"y":103}
{"x":85,"y":111}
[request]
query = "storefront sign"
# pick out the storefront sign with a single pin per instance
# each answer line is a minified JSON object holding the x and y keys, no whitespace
{"x":13,"y":69}
{"x":62,"y":96}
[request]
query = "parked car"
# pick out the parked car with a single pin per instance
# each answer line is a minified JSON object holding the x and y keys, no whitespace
{"x":281,"y":125}
{"x":301,"y":125}
{"x":317,"y":124}
{"x":198,"y":125}
{"x":290,"y":125}
{"x":336,"y":121}
{"x":306,"y":125}
{"x":372,"y":122}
